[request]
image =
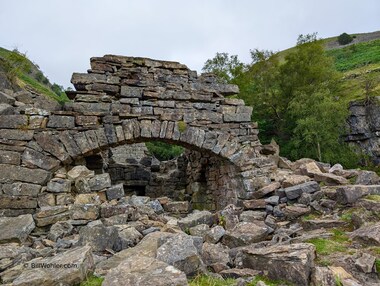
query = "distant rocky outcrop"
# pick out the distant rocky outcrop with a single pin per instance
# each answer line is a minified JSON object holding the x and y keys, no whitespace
{"x":364,"y":127}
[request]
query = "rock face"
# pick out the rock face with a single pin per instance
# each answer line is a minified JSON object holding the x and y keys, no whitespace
{"x":142,"y":270}
{"x":364,"y":123}
{"x":16,"y":229}
{"x":292,"y":262}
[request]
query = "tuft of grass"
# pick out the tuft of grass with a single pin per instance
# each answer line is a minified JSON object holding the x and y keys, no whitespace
{"x":309,"y":217}
{"x":182,"y":126}
{"x":205,"y":280}
{"x":347,"y":217}
{"x":339,"y":236}
{"x":268,"y":281}
{"x":375,"y":198}
{"x":92,"y":281}
{"x":377,"y":265}
{"x":327,"y":246}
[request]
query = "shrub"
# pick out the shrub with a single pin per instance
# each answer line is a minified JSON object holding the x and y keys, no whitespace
{"x":344,"y":39}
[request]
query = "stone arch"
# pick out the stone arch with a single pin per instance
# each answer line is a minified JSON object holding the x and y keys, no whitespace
{"x":124,"y":100}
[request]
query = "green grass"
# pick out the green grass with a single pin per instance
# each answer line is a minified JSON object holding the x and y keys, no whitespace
{"x":377,"y":265}
{"x":357,"y":55}
{"x":204,"y":280}
{"x":92,"y":281}
{"x":326,"y":246}
{"x":309,"y":217}
{"x":268,"y":281}
{"x":24,"y":73}
{"x":41,"y":89}
{"x":339,"y":236}
{"x":375,"y":198}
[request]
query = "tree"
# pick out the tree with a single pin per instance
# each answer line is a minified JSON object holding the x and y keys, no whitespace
{"x":315,"y":113}
{"x":226,"y":67}
{"x":344,"y":39}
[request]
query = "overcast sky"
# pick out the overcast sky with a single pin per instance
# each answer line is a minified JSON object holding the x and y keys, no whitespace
{"x":61,"y":36}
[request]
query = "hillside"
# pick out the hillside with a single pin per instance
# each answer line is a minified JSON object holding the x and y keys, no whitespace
{"x":17,"y":72}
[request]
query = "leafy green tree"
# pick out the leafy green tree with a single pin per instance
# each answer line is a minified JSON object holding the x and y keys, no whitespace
{"x":315,"y":113}
{"x":344,"y":39}
{"x":226,"y":67}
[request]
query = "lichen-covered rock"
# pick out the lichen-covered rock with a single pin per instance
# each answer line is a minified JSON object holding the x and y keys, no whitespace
{"x":216,"y":256}
{"x":245,"y":233}
{"x":291,"y":262}
{"x":59,"y":230}
{"x":98,"y":237}
{"x":142,"y":270}
{"x":68,"y":268}
{"x":182,"y":252}
{"x":196,"y":218}
{"x":146,"y":247}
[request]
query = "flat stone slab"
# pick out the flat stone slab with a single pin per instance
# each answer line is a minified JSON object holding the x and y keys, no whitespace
{"x":67,"y":268}
{"x":142,"y":270}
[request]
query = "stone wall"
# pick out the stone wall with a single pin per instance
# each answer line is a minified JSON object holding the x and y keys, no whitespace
{"x":125,"y":100}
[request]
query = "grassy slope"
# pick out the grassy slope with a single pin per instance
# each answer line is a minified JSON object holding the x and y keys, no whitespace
{"x":356,"y":62}
{"x":359,"y":64}
{"x":28,"y":80}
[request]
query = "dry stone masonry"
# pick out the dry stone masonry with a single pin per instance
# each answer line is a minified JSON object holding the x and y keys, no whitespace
{"x":123,"y":100}
{"x":77,"y":187}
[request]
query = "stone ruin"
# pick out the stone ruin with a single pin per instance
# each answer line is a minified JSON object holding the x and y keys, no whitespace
{"x":77,"y":185}
{"x":126,"y":100}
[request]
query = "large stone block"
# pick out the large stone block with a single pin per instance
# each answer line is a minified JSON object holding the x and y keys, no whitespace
{"x":11,"y":173}
{"x":21,"y":189}
{"x":17,"y":134}
{"x":50,"y":144}
{"x":290,"y":262}
{"x":33,"y":158}
{"x":61,"y":121}
{"x":17,"y":202}
{"x":13,"y":121}
{"x":10,"y":157}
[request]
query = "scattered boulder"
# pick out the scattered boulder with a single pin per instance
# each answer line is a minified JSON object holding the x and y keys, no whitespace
{"x":350,"y":194}
{"x":16,"y":229}
{"x":182,"y":252}
{"x":68,"y":268}
{"x":216,"y":256}
{"x":142,"y":270}
{"x":368,"y":235}
{"x":215,"y":234}
{"x":291,"y":262}
{"x":245,"y":233}
{"x":365,"y":263}
{"x":196,"y":218}
{"x":296,"y":191}
{"x":98,"y":237}
{"x":59,"y":230}
{"x":367,"y":178}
